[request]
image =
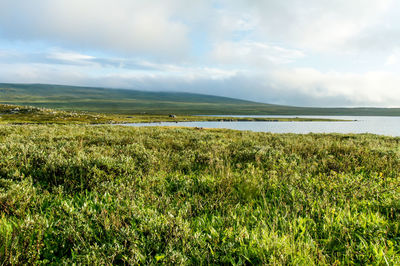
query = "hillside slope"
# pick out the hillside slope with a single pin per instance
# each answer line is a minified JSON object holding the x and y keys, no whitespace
{"x":133,"y":101}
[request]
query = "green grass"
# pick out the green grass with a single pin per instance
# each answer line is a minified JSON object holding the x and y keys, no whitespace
{"x":122,"y":195}
{"x":13,"y":114}
{"x":117,"y":101}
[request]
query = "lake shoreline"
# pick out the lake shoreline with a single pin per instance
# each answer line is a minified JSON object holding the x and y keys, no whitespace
{"x":387,"y":126}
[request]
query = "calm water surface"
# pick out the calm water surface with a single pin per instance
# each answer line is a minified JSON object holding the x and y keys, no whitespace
{"x":382,"y":125}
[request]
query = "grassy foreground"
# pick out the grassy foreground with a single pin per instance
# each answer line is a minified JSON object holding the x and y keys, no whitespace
{"x":115,"y":195}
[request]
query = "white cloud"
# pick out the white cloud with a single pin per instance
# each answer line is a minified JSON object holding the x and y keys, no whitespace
{"x":376,"y":88}
{"x":162,"y":28}
{"x":393,"y":58}
{"x":317,"y":24}
{"x":71,"y":57}
{"x":250,"y":53}
{"x":129,"y":26}
{"x":293,"y":86}
{"x":233,"y":21}
{"x":315,"y":52}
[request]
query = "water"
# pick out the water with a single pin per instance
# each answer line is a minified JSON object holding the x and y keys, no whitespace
{"x":381,"y":125}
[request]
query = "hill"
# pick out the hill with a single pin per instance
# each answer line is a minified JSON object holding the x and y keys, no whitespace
{"x":124,"y":101}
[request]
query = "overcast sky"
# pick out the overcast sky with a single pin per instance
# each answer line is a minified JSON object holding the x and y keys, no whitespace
{"x":296,"y":52}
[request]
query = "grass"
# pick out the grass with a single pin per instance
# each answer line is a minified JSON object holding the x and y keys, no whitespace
{"x":117,"y":101}
{"x":13,"y":114}
{"x":121,"y":195}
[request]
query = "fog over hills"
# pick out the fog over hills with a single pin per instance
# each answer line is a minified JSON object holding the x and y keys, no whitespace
{"x":135,"y":101}
{"x":298,"y":53}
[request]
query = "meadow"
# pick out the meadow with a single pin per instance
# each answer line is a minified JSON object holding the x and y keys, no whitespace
{"x":105,"y":194}
{"x":14,"y":114}
{"x":120,"y":101}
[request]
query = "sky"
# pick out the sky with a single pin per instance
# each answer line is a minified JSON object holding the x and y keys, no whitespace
{"x":291,"y":52}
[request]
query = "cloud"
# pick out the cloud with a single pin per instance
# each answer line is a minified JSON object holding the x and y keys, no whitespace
{"x":164,"y":28}
{"x":290,"y":86}
{"x":316,"y":52}
{"x":250,"y":53}
{"x":124,"y":26}
{"x":393,"y":58}
{"x":70,"y":56}
{"x":320,"y":24}
{"x":375,"y":88}
{"x":129,"y":75}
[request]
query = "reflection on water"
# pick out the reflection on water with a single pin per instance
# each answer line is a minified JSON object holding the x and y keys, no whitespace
{"x":389,"y":126}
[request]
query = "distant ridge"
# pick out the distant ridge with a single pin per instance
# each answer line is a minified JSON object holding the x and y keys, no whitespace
{"x":124,"y":101}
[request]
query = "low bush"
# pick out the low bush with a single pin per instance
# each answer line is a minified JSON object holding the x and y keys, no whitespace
{"x":122,"y":195}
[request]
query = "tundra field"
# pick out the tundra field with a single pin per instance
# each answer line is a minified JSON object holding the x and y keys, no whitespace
{"x":14,"y":114}
{"x":123,"y":195}
{"x":117,"y":101}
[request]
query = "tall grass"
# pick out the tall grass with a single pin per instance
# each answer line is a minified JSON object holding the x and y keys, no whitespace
{"x":119,"y":195}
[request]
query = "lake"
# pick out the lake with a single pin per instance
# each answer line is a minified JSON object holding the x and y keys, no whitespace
{"x":381,"y":125}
